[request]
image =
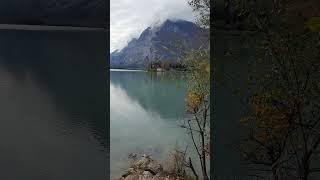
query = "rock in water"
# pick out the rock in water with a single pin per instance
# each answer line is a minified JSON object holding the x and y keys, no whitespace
{"x":147,"y":168}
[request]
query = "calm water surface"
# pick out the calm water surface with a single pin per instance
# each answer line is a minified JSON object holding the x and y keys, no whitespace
{"x":53,"y":105}
{"x":145,"y":110}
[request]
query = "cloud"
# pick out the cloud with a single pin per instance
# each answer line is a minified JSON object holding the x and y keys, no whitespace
{"x":128,"y":18}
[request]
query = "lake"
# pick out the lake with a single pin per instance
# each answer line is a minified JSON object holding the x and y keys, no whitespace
{"x":53,"y":105}
{"x":145,"y":110}
{"x":55,"y":109}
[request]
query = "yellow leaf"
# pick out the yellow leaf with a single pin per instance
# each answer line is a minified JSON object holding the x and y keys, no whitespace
{"x":193,"y":101}
{"x":207,"y":67}
{"x":313,"y":24}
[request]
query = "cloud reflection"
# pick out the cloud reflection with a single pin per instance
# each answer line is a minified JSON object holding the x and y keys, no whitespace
{"x":136,"y":130}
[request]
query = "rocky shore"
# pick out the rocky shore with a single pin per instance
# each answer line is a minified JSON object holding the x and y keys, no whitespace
{"x":146,"y":168}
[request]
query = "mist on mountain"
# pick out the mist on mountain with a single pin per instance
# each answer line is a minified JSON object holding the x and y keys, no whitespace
{"x":166,"y":42}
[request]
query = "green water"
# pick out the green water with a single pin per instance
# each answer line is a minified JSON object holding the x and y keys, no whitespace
{"x":145,"y":109}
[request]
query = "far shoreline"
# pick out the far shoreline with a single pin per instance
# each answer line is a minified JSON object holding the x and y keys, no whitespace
{"x":143,"y":70}
{"x":122,"y":69}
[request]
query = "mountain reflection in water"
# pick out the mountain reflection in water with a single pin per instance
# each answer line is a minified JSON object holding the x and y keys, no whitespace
{"x":144,"y":112}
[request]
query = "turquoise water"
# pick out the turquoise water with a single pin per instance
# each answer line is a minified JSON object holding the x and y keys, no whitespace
{"x":145,"y":110}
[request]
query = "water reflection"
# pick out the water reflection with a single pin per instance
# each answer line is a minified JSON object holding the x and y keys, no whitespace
{"x":163,"y":93}
{"x":145,"y":109}
{"x":52,"y":105}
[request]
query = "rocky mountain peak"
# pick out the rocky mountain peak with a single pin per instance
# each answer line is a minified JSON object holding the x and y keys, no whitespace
{"x":158,"y":43}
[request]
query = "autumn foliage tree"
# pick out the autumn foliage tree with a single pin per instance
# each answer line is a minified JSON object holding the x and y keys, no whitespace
{"x":202,"y":7}
{"x":198,"y":95}
{"x":284,"y":119}
{"x":198,"y":106}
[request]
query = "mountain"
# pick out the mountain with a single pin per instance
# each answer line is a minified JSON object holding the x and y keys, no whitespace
{"x":88,"y":13}
{"x":166,"y":42}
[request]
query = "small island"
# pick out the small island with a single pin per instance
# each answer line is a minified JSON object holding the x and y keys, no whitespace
{"x":161,"y":66}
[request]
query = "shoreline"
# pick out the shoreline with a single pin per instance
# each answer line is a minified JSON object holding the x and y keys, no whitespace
{"x":141,"y":70}
{"x":133,"y":70}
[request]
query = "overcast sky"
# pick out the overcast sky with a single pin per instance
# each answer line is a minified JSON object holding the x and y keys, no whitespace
{"x":128,"y":18}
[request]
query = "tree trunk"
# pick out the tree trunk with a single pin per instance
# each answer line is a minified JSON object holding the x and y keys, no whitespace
{"x":193,"y":170}
{"x":274,"y":174}
{"x":306,"y":171}
{"x":203,"y":153}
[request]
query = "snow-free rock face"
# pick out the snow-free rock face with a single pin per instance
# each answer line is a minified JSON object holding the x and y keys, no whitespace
{"x":166,"y":43}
